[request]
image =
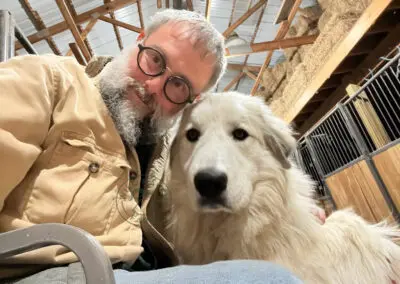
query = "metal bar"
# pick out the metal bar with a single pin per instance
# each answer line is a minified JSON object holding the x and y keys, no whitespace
{"x":319,"y":169}
{"x":360,"y":125}
{"x":24,"y":40}
{"x":378,"y":107}
{"x":354,"y":131}
{"x":354,"y":148}
{"x":343,"y":133}
{"x":390,"y":62}
{"x":6,"y":35}
{"x":330,"y":141}
{"x":336,"y":141}
{"x":386,"y":94}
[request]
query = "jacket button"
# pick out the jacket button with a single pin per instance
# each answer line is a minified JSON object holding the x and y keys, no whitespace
{"x":94,"y":167}
{"x":132,"y":175}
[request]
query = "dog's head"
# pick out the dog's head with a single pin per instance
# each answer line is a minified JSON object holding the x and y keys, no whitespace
{"x":227,"y":144}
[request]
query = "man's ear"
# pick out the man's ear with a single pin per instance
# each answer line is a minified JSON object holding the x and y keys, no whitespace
{"x":140,"y":37}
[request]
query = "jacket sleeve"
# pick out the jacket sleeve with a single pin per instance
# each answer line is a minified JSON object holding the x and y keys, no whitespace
{"x":26,"y":100}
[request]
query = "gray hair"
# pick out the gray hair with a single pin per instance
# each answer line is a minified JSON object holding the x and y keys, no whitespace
{"x":203,"y":33}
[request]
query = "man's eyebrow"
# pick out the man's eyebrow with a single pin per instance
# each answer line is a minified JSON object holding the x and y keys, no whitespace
{"x":161,"y":50}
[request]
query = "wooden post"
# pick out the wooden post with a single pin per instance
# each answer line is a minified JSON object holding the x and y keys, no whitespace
{"x":369,"y":117}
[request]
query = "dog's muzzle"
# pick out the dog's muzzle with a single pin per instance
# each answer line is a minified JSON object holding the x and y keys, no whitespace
{"x":211,"y":184}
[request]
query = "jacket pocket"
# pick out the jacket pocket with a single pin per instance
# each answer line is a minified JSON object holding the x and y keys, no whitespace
{"x":77,"y":186}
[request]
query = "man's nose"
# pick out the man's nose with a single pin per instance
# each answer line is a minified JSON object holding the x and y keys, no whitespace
{"x":155,"y":85}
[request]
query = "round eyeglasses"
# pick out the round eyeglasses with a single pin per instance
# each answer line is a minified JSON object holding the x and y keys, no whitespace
{"x":152,"y":63}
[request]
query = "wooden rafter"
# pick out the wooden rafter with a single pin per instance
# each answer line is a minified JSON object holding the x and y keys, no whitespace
{"x":80,"y":19}
{"x":234,"y":81}
{"x":189,"y":5}
{"x":232,"y":13}
{"x":167,"y":4}
{"x":239,"y":67}
{"x":140,"y":12}
{"x":284,"y":11}
{"x":72,"y":26}
{"x":72,"y":10}
{"x":38,"y":23}
{"x":208,"y":10}
{"x":121,"y":24}
{"x":159,"y":4}
{"x":77,"y":53}
{"x":115,"y":27}
{"x":277,"y":44}
{"x":253,"y":37}
{"x":85,"y":32}
{"x":243,"y":18}
{"x":249,"y":74}
{"x":283,"y":29}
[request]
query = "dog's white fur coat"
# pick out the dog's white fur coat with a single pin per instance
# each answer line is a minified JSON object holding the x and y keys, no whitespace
{"x":268,"y":206}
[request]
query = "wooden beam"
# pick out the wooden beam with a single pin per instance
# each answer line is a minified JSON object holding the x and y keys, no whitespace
{"x":140,"y":11}
{"x":249,"y":74}
{"x":232,"y":12}
{"x":77,"y":53}
{"x":38,"y":24}
{"x":239,"y":67}
{"x":72,"y":26}
{"x":363,"y":24}
{"x":189,"y":5}
{"x":243,"y":18}
{"x":71,"y":9}
{"x":284,"y":11}
{"x":208,"y":10}
{"x":276,"y":44}
{"x":80,"y":19}
{"x":388,"y":43}
{"x":85,"y":32}
{"x":159,"y":4}
{"x":115,"y":27}
{"x":233,"y":82}
{"x":253,"y":37}
{"x":283,"y":29}
{"x":167,"y":4}
{"x":121,"y":24}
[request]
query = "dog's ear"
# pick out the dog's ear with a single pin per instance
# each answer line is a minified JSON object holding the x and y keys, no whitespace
{"x":279,"y":137}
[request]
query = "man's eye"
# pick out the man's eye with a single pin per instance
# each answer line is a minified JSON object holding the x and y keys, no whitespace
{"x":156,"y":59}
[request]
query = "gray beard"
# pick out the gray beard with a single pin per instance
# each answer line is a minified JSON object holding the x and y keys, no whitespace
{"x":129,"y":121}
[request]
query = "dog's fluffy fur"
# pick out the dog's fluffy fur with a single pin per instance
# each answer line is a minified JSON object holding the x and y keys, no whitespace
{"x":265,"y":212}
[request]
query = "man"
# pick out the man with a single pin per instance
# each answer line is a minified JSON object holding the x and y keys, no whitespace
{"x":74,"y":150}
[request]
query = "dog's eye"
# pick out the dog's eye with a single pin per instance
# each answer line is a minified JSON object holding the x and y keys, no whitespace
{"x":240,"y":134}
{"x":192,"y":135}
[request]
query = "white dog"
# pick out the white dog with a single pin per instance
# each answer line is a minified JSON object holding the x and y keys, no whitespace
{"x":233,"y":194}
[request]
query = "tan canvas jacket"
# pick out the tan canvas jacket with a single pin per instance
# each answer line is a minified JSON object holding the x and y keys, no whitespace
{"x":62,"y":160}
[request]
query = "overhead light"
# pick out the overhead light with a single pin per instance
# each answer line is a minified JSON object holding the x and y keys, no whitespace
{"x":237,"y":45}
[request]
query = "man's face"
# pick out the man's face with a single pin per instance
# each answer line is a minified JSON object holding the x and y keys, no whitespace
{"x":182,"y":59}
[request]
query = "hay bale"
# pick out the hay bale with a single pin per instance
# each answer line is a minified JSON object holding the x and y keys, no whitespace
{"x":288,"y":52}
{"x":323,"y":20}
{"x":335,"y":31}
{"x":312,"y":14}
{"x":324,"y":4}
{"x":302,"y":26}
{"x":295,"y":86}
{"x":279,"y":71}
{"x":348,"y":6}
{"x":292,"y":64}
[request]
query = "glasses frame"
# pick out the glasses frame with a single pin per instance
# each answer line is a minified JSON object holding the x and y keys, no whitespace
{"x":164,"y":68}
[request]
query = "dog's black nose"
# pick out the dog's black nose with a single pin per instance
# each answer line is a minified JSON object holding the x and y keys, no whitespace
{"x":210,"y":183}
